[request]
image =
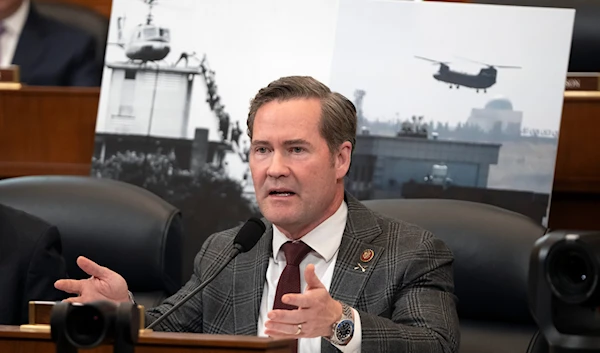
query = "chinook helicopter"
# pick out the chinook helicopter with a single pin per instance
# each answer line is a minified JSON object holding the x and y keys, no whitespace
{"x":484,"y":79}
{"x":148,"y":42}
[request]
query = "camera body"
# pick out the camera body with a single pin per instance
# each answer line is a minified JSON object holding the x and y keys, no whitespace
{"x":86,"y":326}
{"x":564,"y":289}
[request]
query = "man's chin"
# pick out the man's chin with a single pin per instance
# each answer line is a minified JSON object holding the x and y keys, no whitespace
{"x":280,"y":218}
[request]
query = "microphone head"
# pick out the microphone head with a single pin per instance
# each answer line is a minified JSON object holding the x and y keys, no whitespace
{"x":249,"y":235}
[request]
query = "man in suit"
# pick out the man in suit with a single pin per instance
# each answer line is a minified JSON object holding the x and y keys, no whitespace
{"x":370,"y":283}
{"x":48,"y":52}
{"x":30,"y":262}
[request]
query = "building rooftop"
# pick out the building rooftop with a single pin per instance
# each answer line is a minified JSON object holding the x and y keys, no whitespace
{"x":428,"y":141}
{"x":152,"y":67}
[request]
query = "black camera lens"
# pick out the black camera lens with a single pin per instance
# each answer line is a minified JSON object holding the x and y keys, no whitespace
{"x":572,"y":274}
{"x":85,"y":326}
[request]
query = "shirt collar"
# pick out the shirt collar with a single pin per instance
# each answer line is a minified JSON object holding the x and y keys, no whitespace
{"x":325,"y":239}
{"x":14,"y":23}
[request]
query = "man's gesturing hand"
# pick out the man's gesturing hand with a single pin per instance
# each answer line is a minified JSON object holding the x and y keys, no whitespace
{"x":316,"y":312}
{"x":104,"y":284}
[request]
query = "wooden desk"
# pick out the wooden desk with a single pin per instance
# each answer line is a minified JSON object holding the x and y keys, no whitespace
{"x":101,"y":6}
{"x":576,"y":192}
{"x":13,"y":340}
{"x":46,"y":130}
{"x":578,"y":157}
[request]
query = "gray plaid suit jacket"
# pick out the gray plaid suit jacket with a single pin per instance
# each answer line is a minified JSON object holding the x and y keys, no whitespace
{"x":405,"y":297}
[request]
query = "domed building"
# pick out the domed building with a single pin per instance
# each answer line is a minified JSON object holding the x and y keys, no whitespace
{"x":498,"y":114}
{"x":499,"y":103}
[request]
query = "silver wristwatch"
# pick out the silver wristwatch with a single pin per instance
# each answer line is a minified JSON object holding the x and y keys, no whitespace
{"x":343,"y":329}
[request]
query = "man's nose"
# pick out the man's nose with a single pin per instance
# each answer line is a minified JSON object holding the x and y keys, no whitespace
{"x":278,"y":167}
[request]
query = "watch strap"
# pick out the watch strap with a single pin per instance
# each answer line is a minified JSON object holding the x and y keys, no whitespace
{"x":347,"y":315}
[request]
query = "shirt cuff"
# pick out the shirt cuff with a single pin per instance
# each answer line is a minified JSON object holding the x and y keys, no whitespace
{"x":355,"y":343}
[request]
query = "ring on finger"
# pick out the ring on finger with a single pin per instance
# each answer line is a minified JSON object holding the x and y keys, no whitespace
{"x":299,"y":329}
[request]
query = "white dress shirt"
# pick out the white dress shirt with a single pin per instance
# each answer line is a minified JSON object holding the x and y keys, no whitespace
{"x":13,"y":26}
{"x":325,"y":241}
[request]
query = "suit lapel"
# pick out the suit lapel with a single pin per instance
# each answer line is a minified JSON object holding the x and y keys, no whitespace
{"x":351,"y":272}
{"x":357,"y":256}
{"x":31,"y":42}
{"x":249,"y":275}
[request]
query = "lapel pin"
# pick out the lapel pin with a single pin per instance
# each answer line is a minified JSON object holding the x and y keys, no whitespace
{"x":367,"y":255}
{"x":360,"y":267}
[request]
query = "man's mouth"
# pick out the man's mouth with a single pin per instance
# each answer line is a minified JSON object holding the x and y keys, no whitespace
{"x":281,"y":192}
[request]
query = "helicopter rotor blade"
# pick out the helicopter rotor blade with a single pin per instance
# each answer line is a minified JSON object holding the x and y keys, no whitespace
{"x":475,"y":61}
{"x":431,"y":60}
{"x":507,"y":67}
{"x":182,"y":5}
{"x":490,"y":65}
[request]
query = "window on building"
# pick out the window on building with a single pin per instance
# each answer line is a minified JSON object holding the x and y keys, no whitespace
{"x":126,"y":106}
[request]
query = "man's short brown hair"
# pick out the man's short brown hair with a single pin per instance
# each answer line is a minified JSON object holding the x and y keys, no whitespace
{"x":338,"y":113}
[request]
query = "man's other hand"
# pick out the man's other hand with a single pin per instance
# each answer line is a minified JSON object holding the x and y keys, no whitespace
{"x":104,"y":284}
{"x":316,"y":312}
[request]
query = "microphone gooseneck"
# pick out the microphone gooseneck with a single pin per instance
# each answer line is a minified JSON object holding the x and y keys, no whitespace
{"x":245,"y":240}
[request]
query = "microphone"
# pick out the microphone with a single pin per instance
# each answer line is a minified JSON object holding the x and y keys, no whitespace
{"x":245,"y":240}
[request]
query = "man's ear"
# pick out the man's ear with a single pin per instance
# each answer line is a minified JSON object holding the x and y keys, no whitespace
{"x":342,"y":159}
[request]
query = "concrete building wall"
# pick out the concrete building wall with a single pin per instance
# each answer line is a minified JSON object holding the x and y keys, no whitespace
{"x":393,"y":172}
{"x":426,"y":149}
{"x":148,"y":102}
{"x":168,"y":116}
{"x":393,"y":161}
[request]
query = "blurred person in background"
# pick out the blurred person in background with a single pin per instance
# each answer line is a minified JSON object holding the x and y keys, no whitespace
{"x":47,"y":52}
{"x":30,"y":262}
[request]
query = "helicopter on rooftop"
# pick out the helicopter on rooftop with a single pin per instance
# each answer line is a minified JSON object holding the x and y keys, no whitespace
{"x":148,"y":41}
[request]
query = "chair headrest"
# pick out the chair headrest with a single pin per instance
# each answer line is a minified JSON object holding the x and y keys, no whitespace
{"x":491,"y":249}
{"x":118,"y":225}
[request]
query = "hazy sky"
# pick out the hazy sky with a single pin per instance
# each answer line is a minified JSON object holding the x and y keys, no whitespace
{"x":378,"y":57}
{"x":364,"y":44}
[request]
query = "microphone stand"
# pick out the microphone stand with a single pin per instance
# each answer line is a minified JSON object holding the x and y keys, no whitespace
{"x":236,"y":251}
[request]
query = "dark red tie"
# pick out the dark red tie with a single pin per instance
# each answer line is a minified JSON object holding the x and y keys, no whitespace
{"x":289,"y":281}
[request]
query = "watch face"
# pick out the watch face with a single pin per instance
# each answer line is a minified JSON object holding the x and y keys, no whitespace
{"x":344,"y":329}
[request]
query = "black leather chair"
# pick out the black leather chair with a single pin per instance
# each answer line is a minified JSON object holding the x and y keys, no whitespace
{"x":491,"y":248}
{"x":80,"y":17}
{"x":121,"y":226}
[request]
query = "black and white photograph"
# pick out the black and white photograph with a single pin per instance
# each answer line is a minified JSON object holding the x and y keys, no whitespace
{"x":178,"y":79}
{"x":446,"y":107}
{"x":450,"y":99}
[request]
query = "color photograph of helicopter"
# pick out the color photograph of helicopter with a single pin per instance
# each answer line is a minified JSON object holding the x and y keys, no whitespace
{"x":484,"y":79}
